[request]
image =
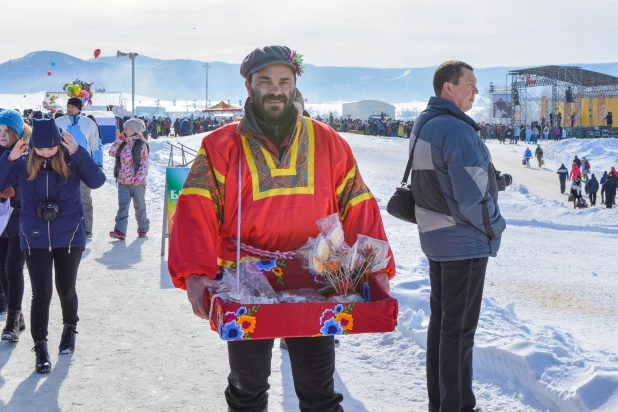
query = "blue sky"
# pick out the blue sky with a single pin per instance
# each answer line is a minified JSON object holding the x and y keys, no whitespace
{"x":385,"y":33}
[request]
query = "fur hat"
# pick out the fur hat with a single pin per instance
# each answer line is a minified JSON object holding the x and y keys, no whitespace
{"x":45,"y":134}
{"x":269,"y":55}
{"x":137,"y":125}
{"x":13,"y":119}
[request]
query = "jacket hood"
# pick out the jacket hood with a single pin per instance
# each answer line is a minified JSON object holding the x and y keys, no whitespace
{"x":438,"y":106}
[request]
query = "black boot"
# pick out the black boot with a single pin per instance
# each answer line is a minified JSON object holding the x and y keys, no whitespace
{"x":67,"y":342}
{"x":14,"y":325}
{"x":43,"y":364}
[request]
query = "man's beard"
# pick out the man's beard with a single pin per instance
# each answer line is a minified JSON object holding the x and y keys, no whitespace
{"x":274,"y":115}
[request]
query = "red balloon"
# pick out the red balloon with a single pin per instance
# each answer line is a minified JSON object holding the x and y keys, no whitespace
{"x":97,"y":53}
{"x":49,"y":73}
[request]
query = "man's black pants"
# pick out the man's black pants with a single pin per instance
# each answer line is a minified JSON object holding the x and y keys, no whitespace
{"x":562,"y":183}
{"x":40,"y":262}
{"x":593,"y":198}
{"x":456,"y":295}
{"x":313,"y":366}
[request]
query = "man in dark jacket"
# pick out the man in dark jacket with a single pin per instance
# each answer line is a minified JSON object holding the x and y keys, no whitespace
{"x":177,"y":127}
{"x":592,"y":187}
{"x":577,"y":162}
{"x":538,"y":153}
{"x":609,"y":190}
{"x":460,"y":226}
{"x":563,"y":173}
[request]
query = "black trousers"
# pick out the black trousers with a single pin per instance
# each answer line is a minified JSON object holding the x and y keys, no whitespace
{"x":593,"y":198}
{"x":456,"y":295}
{"x":313,"y":366}
{"x":65,"y":265}
{"x":562,"y":184}
{"x":12,"y":271}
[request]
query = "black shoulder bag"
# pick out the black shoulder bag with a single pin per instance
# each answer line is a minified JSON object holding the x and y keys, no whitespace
{"x":401,"y":204}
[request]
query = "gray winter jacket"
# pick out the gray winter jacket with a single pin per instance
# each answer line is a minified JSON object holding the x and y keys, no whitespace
{"x":454,"y":186}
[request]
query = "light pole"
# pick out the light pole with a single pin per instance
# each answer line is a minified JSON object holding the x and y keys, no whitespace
{"x":207,"y":66}
{"x":132,"y":56}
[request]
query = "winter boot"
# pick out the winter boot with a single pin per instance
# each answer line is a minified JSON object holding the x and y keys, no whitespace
{"x":67,"y":342}
{"x":43,"y":363}
{"x":14,"y":325}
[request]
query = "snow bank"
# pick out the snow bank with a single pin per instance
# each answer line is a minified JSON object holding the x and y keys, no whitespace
{"x":602,"y":153}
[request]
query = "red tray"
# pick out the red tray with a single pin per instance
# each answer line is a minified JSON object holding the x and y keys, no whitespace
{"x":233,"y":321}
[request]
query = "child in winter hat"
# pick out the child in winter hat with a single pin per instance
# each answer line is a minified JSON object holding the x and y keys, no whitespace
{"x":14,"y":121}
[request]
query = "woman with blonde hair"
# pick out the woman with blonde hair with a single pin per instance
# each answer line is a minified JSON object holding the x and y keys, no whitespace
{"x":12,"y":128}
{"x":52,"y":228}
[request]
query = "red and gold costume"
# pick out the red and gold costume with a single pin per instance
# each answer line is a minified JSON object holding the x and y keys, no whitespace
{"x":282,"y":197}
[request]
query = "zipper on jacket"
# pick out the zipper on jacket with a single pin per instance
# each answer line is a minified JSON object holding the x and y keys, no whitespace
{"x":25,"y":237}
{"x":48,"y":223}
{"x":72,"y":237}
{"x":276,"y":131}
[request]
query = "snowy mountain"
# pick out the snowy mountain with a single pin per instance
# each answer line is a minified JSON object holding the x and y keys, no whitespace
{"x":185,"y":79}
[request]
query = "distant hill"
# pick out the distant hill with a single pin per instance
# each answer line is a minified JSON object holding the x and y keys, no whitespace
{"x":185,"y":79}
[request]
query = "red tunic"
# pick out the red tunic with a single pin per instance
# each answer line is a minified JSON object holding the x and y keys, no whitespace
{"x":281,"y":199}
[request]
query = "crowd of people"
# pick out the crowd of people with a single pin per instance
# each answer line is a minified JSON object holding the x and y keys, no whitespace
{"x":579,"y":175}
{"x":531,"y":133}
{"x":375,"y":127}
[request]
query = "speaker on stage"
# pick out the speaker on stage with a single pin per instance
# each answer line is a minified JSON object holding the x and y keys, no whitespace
{"x":569,"y":95}
{"x":515,"y":95}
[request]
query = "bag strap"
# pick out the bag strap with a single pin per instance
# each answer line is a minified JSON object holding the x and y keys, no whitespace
{"x":406,"y":174}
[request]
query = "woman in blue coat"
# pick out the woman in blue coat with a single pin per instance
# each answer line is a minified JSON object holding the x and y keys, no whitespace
{"x":51,"y":224}
{"x":12,"y":128}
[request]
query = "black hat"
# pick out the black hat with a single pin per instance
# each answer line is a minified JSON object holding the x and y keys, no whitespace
{"x":76,"y":101}
{"x":269,"y":55}
{"x":45,"y":134}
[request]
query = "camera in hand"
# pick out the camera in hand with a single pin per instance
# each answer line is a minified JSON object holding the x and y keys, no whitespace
{"x":48,"y":210}
{"x":503,"y":181}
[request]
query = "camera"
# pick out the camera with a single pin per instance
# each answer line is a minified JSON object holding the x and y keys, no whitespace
{"x":503,"y":181}
{"x":48,"y":210}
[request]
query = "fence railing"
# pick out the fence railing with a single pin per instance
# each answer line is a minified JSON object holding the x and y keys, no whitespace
{"x":185,"y":151}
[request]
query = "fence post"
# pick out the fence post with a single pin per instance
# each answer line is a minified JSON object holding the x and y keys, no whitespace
{"x":164,"y":230}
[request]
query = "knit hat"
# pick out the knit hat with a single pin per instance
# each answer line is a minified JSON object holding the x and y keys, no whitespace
{"x":269,"y":55}
{"x":13,"y":119}
{"x":137,"y":125}
{"x":76,"y":101}
{"x":45,"y":134}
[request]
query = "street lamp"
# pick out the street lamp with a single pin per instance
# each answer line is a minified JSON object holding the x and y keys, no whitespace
{"x":207,"y":66}
{"x":132,"y":56}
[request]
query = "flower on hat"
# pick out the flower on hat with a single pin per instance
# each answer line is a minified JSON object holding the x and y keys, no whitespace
{"x":297,"y":60}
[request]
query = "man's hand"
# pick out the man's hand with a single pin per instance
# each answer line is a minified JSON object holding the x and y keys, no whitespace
{"x":382,"y":279}
{"x":196,"y":284}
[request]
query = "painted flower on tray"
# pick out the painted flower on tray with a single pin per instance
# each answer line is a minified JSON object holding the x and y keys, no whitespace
{"x":233,"y":331}
{"x":345,"y":320}
{"x":277,"y":272}
{"x":331,"y":327}
{"x":230,"y":317}
{"x":339,"y":308}
{"x":241,"y":311}
{"x":328,"y":314}
{"x":247,"y":323}
{"x":266,"y":265}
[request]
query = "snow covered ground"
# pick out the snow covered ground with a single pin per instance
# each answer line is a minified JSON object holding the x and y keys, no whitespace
{"x":546,"y":339}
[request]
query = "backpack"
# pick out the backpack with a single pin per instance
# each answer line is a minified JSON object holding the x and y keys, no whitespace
{"x":587,"y":165}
